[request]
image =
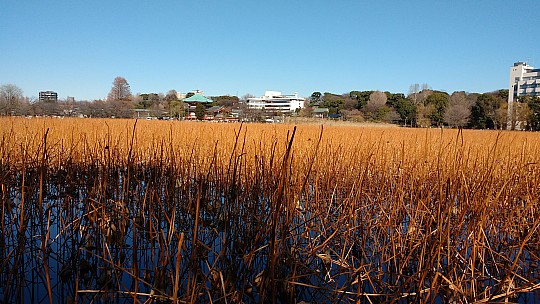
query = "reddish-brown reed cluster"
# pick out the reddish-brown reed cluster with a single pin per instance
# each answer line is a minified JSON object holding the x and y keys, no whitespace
{"x":148,"y":211}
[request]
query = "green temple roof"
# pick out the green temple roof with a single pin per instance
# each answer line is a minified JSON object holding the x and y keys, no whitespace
{"x":197,"y":98}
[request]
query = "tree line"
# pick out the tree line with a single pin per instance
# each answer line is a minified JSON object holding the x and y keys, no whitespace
{"x":425,"y":107}
{"x":120,"y":103}
{"x":421,"y":107}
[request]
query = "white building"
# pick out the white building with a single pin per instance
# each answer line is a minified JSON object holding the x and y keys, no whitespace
{"x":276,"y":103}
{"x":524,"y":80}
{"x":181,"y":96}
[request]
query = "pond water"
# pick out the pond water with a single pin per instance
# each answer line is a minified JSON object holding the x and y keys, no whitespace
{"x":94,"y":237}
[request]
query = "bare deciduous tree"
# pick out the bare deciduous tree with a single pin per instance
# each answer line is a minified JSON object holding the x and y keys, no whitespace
{"x":521,"y":113}
{"x":422,"y":115}
{"x":458,"y":111}
{"x":246,"y":97}
{"x":423,"y":96}
{"x":10,"y":96}
{"x":119,"y":99}
{"x":417,"y":95}
{"x":501,"y":114}
{"x":414,"y":89}
{"x":120,"y":90}
{"x":120,"y":109}
{"x":171,"y":95}
{"x":376,"y":100}
{"x":353,"y":115}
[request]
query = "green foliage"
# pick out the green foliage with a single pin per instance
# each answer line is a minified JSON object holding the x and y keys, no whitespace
{"x":188,"y":95}
{"x":199,"y":111}
{"x":534,"y":116}
{"x":439,"y":101}
{"x":148,"y":100}
{"x":404,"y":107}
{"x":502,"y":94}
{"x":406,"y":110}
{"x":381,"y":113}
{"x":226,"y":101}
{"x":333,"y":102}
{"x":315,"y":98}
{"x":361,"y":98}
{"x":482,"y":112}
{"x":392,"y":98}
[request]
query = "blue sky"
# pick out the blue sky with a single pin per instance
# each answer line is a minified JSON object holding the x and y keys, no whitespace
{"x":77,"y":48}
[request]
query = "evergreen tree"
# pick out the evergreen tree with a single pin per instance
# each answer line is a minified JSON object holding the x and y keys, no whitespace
{"x":199,"y":111}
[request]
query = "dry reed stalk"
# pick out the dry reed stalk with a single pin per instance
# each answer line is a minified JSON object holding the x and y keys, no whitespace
{"x":355,"y":215}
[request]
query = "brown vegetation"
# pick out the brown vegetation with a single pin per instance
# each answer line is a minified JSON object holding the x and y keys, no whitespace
{"x":196,"y":212}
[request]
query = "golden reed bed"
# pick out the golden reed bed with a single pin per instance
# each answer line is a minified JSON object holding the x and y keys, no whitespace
{"x":269,"y":212}
{"x":416,"y":149}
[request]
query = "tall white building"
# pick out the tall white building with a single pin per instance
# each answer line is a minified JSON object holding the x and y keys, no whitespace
{"x":524,"y":80}
{"x":274,"y":102}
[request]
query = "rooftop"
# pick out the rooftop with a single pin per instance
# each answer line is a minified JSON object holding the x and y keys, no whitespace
{"x":197,"y":98}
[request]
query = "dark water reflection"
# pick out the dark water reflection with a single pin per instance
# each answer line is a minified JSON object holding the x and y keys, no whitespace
{"x":99,"y":236}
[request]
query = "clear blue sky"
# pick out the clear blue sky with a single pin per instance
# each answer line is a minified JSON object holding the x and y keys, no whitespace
{"x":223,"y":47}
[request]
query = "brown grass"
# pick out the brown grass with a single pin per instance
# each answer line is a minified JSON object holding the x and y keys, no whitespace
{"x":190,"y":212}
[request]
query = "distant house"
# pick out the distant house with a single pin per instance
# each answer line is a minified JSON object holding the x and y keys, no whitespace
{"x":218,"y":113}
{"x":236,"y":113}
{"x":321,"y":112}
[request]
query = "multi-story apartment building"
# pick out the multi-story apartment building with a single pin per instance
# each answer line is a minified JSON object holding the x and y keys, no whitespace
{"x":275,"y":103}
{"x":524,"y":80}
{"x":48,"y":96}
